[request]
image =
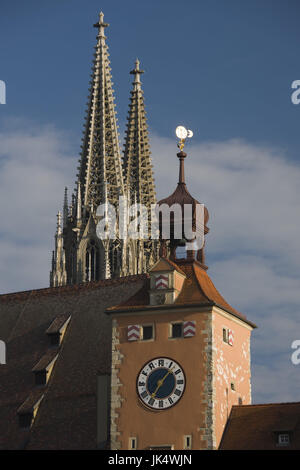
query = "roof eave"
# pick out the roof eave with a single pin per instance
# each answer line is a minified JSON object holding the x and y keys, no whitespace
{"x":147,"y":308}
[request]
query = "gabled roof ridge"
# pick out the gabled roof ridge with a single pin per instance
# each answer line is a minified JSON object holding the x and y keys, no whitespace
{"x":73,"y":287}
{"x":171,"y":263}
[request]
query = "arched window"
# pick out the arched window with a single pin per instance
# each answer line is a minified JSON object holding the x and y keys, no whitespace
{"x":114,"y":260}
{"x":92,"y":262}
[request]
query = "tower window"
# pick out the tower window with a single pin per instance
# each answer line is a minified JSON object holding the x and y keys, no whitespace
{"x":232,"y":386}
{"x":187,"y":442}
{"x":147,"y":332}
{"x":42,"y":370}
{"x":132,"y":443}
{"x":176,"y":330}
{"x":228,"y":336}
{"x":225,"y":335}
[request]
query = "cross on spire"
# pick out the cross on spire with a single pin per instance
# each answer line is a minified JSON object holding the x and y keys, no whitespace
{"x":137,"y":72}
{"x":101,"y":25}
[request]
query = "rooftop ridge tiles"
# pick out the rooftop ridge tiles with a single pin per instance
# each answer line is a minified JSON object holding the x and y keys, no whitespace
{"x":71,"y":288}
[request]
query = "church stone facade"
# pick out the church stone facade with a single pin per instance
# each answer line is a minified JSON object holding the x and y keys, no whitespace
{"x":103,"y":177}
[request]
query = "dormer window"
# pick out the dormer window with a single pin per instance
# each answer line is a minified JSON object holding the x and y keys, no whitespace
{"x":283,"y":439}
{"x":28,"y":410}
{"x":57,"y":329}
{"x":166,"y":281}
{"x":42,"y":370}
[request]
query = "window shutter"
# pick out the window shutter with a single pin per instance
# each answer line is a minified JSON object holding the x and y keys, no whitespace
{"x":189,"y":329}
{"x":161,"y":281}
{"x":133,"y":332}
{"x":230,"y":337}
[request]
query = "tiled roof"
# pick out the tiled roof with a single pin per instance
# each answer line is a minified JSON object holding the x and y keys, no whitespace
{"x":67,"y":415}
{"x":257,"y":427}
{"x":29,"y":404}
{"x":58,"y":323}
{"x":166,"y":264}
{"x":198,"y":289}
{"x":69,"y":289}
{"x":46,"y":360}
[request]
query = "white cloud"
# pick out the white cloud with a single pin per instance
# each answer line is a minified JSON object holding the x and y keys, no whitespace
{"x":253,"y":249}
{"x":36,"y":163}
{"x":251,"y":193}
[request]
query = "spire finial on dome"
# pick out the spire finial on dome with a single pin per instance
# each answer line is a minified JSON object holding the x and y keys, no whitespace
{"x":181,"y":155}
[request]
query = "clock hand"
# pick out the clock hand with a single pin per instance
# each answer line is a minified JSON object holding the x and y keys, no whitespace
{"x":160,"y":383}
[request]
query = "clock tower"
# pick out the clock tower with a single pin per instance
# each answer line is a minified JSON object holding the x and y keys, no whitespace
{"x":180,"y":352}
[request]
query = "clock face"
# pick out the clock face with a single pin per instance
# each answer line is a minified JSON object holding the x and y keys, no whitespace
{"x":160,"y":383}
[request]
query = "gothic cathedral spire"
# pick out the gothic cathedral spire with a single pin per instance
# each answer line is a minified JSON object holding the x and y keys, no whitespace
{"x":100,"y":158}
{"x":138,"y":175}
{"x":101,"y":179}
{"x":137,"y":164}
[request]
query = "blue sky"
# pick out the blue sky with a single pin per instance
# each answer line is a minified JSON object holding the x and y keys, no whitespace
{"x":222,"y":68}
{"x":225,"y":68}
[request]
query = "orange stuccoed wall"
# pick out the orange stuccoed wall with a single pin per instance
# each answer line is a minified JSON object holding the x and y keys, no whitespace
{"x":217,"y":376}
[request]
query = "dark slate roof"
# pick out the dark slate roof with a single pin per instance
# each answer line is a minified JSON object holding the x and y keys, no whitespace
{"x":58,"y":323}
{"x":256,"y":427}
{"x":66,"y":418}
{"x":34,"y":398}
{"x":46,"y":360}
